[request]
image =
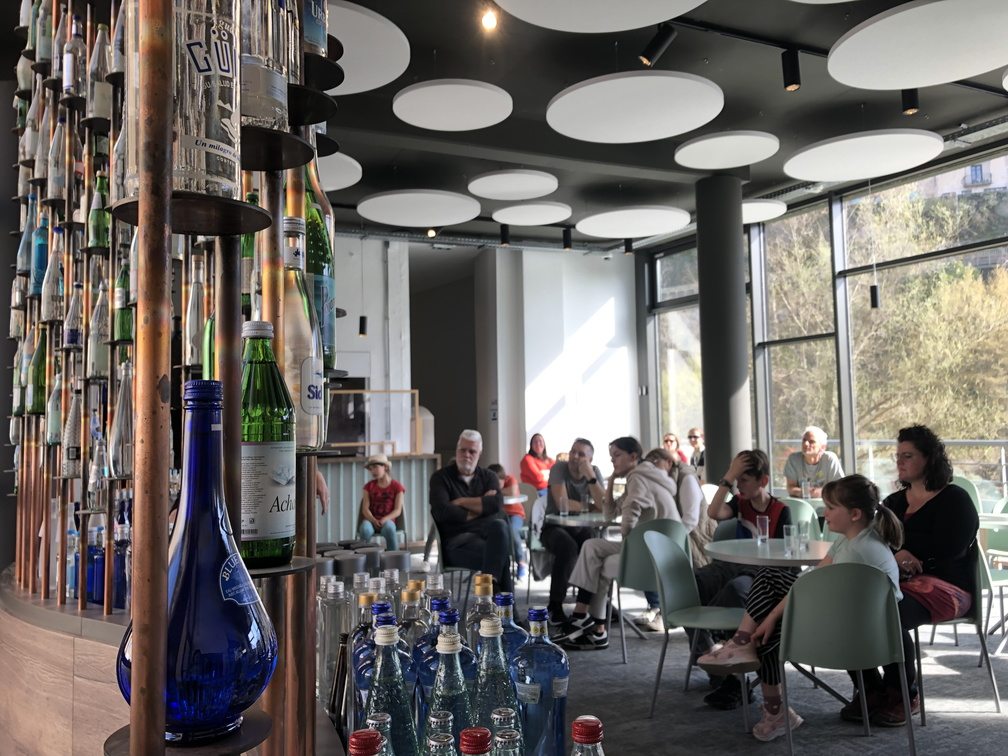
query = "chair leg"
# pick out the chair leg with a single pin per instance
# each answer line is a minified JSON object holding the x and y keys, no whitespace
{"x":1001,"y":594}
{"x":864,"y":703}
{"x":934,"y":628}
{"x":745,"y":701}
{"x":657,"y":679}
{"x":906,"y":708}
{"x":920,"y":678}
{"x":622,"y":623}
{"x":689,"y":661}
{"x":784,"y":703}
{"x":990,"y":673}
{"x":955,"y":634}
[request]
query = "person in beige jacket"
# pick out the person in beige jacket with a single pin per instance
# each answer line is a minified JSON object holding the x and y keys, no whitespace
{"x":650,"y":494}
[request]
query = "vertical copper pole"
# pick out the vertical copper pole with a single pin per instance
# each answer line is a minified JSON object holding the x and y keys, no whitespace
{"x":61,"y":552}
{"x":311,"y":608}
{"x":227,"y":366}
{"x":272,"y":259}
{"x":82,"y":549}
{"x":22,"y":491}
{"x":33,"y":510}
{"x":273,"y":701}
{"x":153,"y":356}
{"x":109,"y":547}
{"x":296,"y":650}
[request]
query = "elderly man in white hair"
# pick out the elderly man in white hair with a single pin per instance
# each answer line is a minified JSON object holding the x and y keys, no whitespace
{"x":813,"y":467}
{"x":465,"y":501}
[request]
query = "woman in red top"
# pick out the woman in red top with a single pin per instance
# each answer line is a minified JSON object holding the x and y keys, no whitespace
{"x":382,"y":503}
{"x":535,"y":465}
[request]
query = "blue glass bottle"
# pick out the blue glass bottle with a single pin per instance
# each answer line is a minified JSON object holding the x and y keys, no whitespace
{"x":494,"y":688}
{"x":40,"y":258}
{"x":122,"y":541}
{"x":540,"y":672}
{"x":388,"y":692}
{"x":428,"y":639}
{"x":222,"y":647}
{"x":96,"y":559}
{"x":450,"y":692}
{"x":514,"y":635}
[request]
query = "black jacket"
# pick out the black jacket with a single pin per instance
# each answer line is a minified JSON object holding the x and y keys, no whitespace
{"x":446,"y":485}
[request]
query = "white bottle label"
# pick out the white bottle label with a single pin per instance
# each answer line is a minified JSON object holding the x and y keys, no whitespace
{"x":235,"y":584}
{"x":69,"y":72}
{"x":528,"y":693}
{"x":560,"y":687}
{"x":119,"y":298}
{"x":312,"y":386}
{"x":267,"y":490}
{"x":101,"y":100}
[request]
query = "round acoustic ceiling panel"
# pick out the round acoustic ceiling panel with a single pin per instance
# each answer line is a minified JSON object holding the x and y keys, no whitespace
{"x":820,"y":2}
{"x":634,"y":222}
{"x":760,"y":210}
{"x":513,"y":185}
{"x":866,"y":154}
{"x":727,"y":149}
{"x":339,"y":171}
{"x":452,"y":104}
{"x":375,"y":51}
{"x":419,"y":208}
{"x":922,"y":43}
{"x":533,"y":214}
{"x":634,"y":106}
{"x":596,"y":15}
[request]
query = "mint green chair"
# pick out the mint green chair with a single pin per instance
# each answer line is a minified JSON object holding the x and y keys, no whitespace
{"x":827,"y":534}
{"x":680,"y":606}
{"x":636,"y":570}
{"x":802,"y":511}
{"x":970,"y":487}
{"x":820,"y":629}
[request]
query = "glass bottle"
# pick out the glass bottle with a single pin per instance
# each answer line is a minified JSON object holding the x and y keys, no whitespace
{"x":388,"y":693}
{"x":302,"y":358}
{"x":382,"y":722}
{"x":60,"y":37}
{"x":117,"y":50}
{"x":315,"y":24}
{"x":72,"y":563}
{"x":412,"y":623}
{"x":267,"y":454}
{"x":99,"y":215}
{"x":319,"y":264}
{"x":363,"y":650}
{"x":450,"y":692}
{"x":121,"y":435}
{"x":56,"y":164}
{"x":540,"y":672}
{"x":132,"y":252}
{"x":119,"y":575}
{"x":438,"y":723}
{"x":71,"y":436}
{"x":98,"y":335}
{"x":248,"y":262}
{"x":425,"y":649}
{"x":72,"y":324}
{"x":192,"y":341}
{"x":28,"y":142}
{"x":97,"y":486}
{"x":475,"y":741}
{"x":54,"y":416}
{"x":508,"y":742}
{"x":363,"y":626}
{"x":264,"y":64}
{"x":25,"y":247}
{"x":586,"y":732}
{"x":122,"y":324}
{"x":16,"y":331}
{"x":209,"y":348}
{"x":25,"y":13}
{"x":35,"y":389}
{"x":332,"y":620}
{"x":514,"y":636}
{"x":117,"y":184}
{"x":504,"y":719}
{"x":40,"y":258}
{"x":293,"y":43}
{"x":494,"y":688}
{"x":440,"y":744}
{"x":52,"y":282}
{"x":482,"y":607}
{"x":43,"y":33}
{"x":33,"y":24}
{"x":42,"y":148}
{"x":222,"y":647}
{"x":365,"y":742}
{"x":74,"y":61}
{"x":17,"y":407}
{"x":99,"y":91}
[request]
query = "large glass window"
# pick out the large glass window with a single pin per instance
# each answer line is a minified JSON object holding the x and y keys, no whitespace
{"x":677,"y":275}
{"x":680,"y":392}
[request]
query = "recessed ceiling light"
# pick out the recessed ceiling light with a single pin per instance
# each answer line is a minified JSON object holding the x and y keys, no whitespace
{"x":489,"y":19}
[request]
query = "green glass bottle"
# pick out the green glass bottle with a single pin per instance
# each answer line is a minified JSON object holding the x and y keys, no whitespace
{"x":319,"y":266}
{"x":35,"y":388}
{"x":209,"y":373}
{"x":248,"y":263}
{"x":99,"y":216}
{"x":17,"y":410}
{"x":122,"y":322}
{"x":267,"y":454}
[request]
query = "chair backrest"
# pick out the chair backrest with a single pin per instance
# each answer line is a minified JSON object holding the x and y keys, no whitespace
{"x":802,"y":511}
{"x":843,"y":616}
{"x":997,"y":538}
{"x":537,"y":516}
{"x":726,"y":530}
{"x":827,"y":534}
{"x":636,"y":569}
{"x":531,"y":494}
{"x":970,"y":487}
{"x":674,"y":578}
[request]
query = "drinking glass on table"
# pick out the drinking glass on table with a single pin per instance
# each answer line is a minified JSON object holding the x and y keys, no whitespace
{"x":563,"y":506}
{"x":762,"y":529}
{"x":791,"y":542}
{"x":804,"y":533}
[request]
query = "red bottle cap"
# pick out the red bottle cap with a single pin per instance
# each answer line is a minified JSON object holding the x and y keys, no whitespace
{"x":475,"y":740}
{"x":365,"y":743}
{"x":587,"y":730}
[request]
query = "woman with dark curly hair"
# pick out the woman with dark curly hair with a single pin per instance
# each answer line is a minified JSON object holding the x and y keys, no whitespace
{"x":937,"y":562}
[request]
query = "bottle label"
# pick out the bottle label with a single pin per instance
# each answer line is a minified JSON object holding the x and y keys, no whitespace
{"x":68,"y":72}
{"x":324,"y":298}
{"x":119,"y":297}
{"x":73,"y":453}
{"x":235,"y":583}
{"x":101,"y":100}
{"x":264,"y":92}
{"x":72,"y":337}
{"x":314,"y":25}
{"x":267,"y":492}
{"x":528,"y":693}
{"x":247,"y":264}
{"x":29,"y":395}
{"x":312,"y":386}
{"x":560,"y":687}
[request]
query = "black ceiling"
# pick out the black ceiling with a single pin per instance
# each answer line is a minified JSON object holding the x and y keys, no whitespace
{"x":534,"y":64}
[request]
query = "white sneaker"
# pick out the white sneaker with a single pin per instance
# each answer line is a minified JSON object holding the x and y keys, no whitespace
{"x":650,"y":620}
{"x":772,"y":726}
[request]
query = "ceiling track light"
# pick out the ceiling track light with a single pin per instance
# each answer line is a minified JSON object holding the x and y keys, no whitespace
{"x":658,"y":45}
{"x":911,"y":101}
{"x":628,"y":246}
{"x":791,"y":69}
{"x":505,"y":235}
{"x":567,"y":245}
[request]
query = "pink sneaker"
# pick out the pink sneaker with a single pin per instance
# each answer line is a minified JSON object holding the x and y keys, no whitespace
{"x":730,"y":657}
{"x":772,"y":726}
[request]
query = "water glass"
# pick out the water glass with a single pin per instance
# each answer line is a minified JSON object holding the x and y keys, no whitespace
{"x":563,"y":506}
{"x":762,"y":529}
{"x":791,"y":543}
{"x":804,"y":531}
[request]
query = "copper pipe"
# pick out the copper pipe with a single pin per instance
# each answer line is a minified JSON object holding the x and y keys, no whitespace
{"x":227,"y":365}
{"x":45,"y":547}
{"x":109,"y":576}
{"x":153,"y":353}
{"x":82,"y":549}
{"x":272,"y":259}
{"x":273,"y":701}
{"x":61,"y":559}
{"x":311,"y":521}
{"x":303,"y":507}
{"x":296,"y":649}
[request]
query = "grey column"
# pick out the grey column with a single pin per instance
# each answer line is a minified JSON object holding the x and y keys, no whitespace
{"x":724,"y":343}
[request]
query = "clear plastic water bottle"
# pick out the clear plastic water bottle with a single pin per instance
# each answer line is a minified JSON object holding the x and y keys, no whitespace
{"x":494,"y":688}
{"x":388,"y":691}
{"x":540,"y":671}
{"x":586,"y":732}
{"x":450,"y":692}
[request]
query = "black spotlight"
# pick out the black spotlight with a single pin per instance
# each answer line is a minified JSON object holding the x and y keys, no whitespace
{"x":505,"y":236}
{"x":628,"y":246}
{"x":658,"y":45}
{"x":791,"y":70}
{"x":362,"y":326}
{"x":874,"y":296}
{"x":911,"y":101}
{"x":567,"y":245}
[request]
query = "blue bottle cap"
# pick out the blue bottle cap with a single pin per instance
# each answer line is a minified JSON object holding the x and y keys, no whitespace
{"x":439,"y":604}
{"x":380,"y":607}
{"x":204,"y":391}
{"x":449,"y":617}
{"x":504,"y":599}
{"x":385,"y":618}
{"x":538,"y":614}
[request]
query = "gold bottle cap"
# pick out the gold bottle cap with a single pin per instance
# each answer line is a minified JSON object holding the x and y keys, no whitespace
{"x":416,"y":585}
{"x":483,"y":589}
{"x":483,"y":577}
{"x":410,"y":595}
{"x":366,"y":599}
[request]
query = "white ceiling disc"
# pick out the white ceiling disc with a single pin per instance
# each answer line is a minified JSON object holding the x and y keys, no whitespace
{"x":634,"y":222}
{"x":338,"y":172}
{"x":596,"y":15}
{"x":418,"y":207}
{"x":821,"y":2}
{"x":375,"y":51}
{"x":922,"y":43}
{"x":760,"y":210}
{"x":513,"y":185}
{"x":452,"y":104}
{"x":634,"y":106}
{"x":727,"y":149}
{"x":533,"y":214}
{"x":1004,"y":79}
{"x":863,"y":155}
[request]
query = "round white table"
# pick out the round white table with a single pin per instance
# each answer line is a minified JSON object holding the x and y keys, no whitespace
{"x":770,"y":554}
{"x":993,"y":521}
{"x":519,"y":499}
{"x":579,"y":520}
